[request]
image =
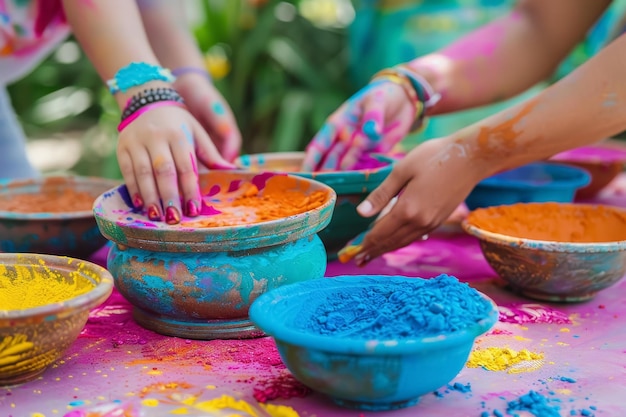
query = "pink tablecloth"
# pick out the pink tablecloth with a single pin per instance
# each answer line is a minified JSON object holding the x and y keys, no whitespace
{"x":115,"y":360}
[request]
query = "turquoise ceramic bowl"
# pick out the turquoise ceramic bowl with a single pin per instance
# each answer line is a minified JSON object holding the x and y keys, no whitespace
{"x":537,"y":182}
{"x":351,"y":187}
{"x":358,"y":373}
{"x":198,"y":283}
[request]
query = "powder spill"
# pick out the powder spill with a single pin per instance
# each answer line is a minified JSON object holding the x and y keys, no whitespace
{"x":398,"y":310}
{"x":47,"y":201}
{"x":36,"y":285}
{"x":531,"y":313}
{"x":283,"y":386}
{"x":504,"y":359}
{"x":536,"y":404}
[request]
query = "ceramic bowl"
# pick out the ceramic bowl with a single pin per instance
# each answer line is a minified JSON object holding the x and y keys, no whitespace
{"x":355,"y":372}
{"x":567,"y":259}
{"x":68,"y":231}
{"x":537,"y":182}
{"x":33,"y":335}
{"x":351,"y":187}
{"x":198,"y":282}
{"x":603,"y":162}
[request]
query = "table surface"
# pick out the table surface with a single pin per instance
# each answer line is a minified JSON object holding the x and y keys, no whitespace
{"x":114,"y":360}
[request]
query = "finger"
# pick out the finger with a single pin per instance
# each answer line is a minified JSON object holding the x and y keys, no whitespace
{"x":126,"y":168}
{"x":144,"y":175}
{"x":372,"y":124}
{"x":384,"y":193}
{"x":187,"y":171}
{"x":317,"y":148}
{"x":222,"y":128}
{"x":166,"y":177}
{"x":206,"y":151}
{"x":404,"y":236}
{"x":347,"y":143}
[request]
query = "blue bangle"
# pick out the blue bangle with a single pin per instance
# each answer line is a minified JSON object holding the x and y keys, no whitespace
{"x":138,"y":73}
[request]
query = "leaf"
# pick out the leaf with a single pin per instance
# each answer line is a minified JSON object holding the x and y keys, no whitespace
{"x":291,"y":123}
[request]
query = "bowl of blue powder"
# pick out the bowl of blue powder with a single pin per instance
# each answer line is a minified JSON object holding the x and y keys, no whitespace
{"x":375,"y":342}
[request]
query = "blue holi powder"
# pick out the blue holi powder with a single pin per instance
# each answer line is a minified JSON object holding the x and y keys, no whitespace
{"x":399,"y":310}
{"x":534,"y":403}
{"x":484,"y":414}
{"x":586,"y":413}
{"x":498,"y":413}
{"x":369,"y":128}
{"x":457,"y":386}
{"x":218,"y":109}
{"x":188,"y":134}
{"x":566,"y":379}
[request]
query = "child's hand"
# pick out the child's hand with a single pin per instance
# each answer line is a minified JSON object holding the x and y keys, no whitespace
{"x":158,"y":155}
{"x":373,"y":120}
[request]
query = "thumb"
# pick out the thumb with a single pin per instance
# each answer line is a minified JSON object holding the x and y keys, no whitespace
{"x":383,"y":194}
{"x":206,"y":151}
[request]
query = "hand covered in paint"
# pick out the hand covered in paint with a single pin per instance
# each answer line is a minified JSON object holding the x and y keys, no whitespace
{"x":211,"y":110}
{"x":431,"y":182}
{"x":373,"y":120}
{"x":158,"y":156}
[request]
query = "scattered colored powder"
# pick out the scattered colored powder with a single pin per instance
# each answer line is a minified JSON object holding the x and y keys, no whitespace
{"x":566,"y":379}
{"x":497,"y":413}
{"x":554,"y":222}
{"x":503,"y":359}
{"x":284,"y":386}
{"x":62,"y":200}
{"x":534,"y":403}
{"x":398,"y":310}
{"x":280,"y":198}
{"x":35,"y":285}
{"x":232,"y":405}
{"x":531,"y":313}
{"x":457,"y":386}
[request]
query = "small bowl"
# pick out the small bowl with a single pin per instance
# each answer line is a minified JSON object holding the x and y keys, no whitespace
{"x":351,"y":187}
{"x":553,"y":251}
{"x":68,"y":231}
{"x":537,"y":182}
{"x":35,"y":334}
{"x":197,"y":282}
{"x":603,"y":162}
{"x":359,"y":372}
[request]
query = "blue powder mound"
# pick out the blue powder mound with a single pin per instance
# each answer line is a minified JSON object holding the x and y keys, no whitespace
{"x":534,"y":403}
{"x":398,"y":310}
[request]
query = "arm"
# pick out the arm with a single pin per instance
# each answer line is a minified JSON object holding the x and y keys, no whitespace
{"x":583,"y":108}
{"x":509,"y":55}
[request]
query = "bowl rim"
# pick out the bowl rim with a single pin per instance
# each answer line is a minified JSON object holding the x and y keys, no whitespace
{"x":86,"y":301}
{"x":7,"y":185}
{"x":260,"y":315}
{"x":546,"y":245}
{"x":582,"y":178}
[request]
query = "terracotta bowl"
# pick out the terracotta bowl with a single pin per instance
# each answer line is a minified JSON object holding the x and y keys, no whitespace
{"x":194,"y":281}
{"x":352,"y":187}
{"x":32,"y":226}
{"x":603,"y":162}
{"x":42,"y":321}
{"x":553,"y":251}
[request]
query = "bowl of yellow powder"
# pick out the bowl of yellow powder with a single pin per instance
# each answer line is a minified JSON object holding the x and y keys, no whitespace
{"x":44,"y":304}
{"x":51,"y":215}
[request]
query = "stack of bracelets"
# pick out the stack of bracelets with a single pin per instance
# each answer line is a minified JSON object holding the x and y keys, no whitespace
{"x":417,"y":89}
{"x":139,"y":73}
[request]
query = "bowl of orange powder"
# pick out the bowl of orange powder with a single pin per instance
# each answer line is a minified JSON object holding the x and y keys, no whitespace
{"x":553,"y":251}
{"x":197,"y":279}
{"x":51,"y":215}
{"x":351,"y":186}
{"x":45,"y":301}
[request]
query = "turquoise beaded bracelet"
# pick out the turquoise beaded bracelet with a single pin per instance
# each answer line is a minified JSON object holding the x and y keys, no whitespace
{"x":136,"y":74}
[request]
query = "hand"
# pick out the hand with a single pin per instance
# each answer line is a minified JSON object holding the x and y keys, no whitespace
{"x":158,"y":154}
{"x":432,"y":181}
{"x":375,"y":119}
{"x":211,"y":110}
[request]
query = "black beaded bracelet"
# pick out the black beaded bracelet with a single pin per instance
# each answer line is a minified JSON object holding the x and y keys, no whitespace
{"x":151,"y":95}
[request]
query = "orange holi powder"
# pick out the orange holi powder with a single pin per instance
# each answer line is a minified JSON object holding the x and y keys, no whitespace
{"x":279,"y":199}
{"x":47,"y":201}
{"x":553,"y":222}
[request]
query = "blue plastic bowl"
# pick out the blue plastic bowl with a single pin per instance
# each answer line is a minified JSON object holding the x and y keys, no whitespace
{"x":357,"y":373}
{"x":533,"y":183}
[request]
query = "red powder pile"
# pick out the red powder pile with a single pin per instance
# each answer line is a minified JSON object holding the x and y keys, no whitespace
{"x":55,"y":201}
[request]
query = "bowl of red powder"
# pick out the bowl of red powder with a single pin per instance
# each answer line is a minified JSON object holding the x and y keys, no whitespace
{"x":553,"y":251}
{"x":51,"y":215}
{"x":45,"y":301}
{"x":351,"y":186}
{"x":603,"y":161}
{"x":197,"y":279}
{"x":375,"y":342}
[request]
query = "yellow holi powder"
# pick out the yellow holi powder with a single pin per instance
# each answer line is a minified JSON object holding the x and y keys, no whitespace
{"x":564,"y":330}
{"x":230,"y":404}
{"x":504,"y":359}
{"x":521,"y":338}
{"x":150,"y":402}
{"x":23,"y":287}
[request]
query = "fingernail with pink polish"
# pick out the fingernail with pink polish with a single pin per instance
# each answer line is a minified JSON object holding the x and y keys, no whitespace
{"x":172,"y":215}
{"x":365,"y":208}
{"x":192,"y":208}
{"x":137,"y":201}
{"x":154,"y":213}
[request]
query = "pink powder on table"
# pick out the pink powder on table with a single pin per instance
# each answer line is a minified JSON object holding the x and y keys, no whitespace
{"x":283,"y":386}
{"x":602,"y":154}
{"x":531,"y":313}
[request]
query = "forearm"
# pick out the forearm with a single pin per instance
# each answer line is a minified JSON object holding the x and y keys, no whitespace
{"x":509,"y":55}
{"x":583,"y":108}
{"x":169,"y":34}
{"x":112,"y":35}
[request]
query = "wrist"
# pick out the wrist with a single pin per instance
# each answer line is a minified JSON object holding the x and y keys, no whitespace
{"x":123,"y":98}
